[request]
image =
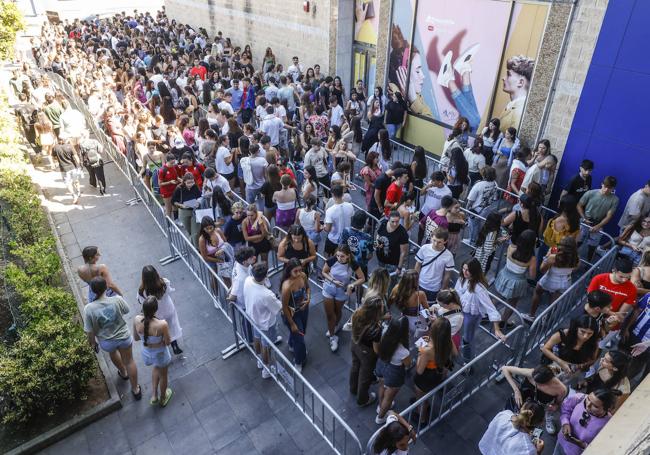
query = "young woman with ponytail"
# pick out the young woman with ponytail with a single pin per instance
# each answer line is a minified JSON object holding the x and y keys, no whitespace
{"x":155,"y":352}
{"x":510,"y":433}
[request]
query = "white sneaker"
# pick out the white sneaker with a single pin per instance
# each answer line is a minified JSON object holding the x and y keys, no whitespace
{"x":334,"y":343}
{"x":260,"y":365}
{"x":463,"y":62}
{"x":347,"y":327}
{"x":327,"y":334}
{"x":267,"y":371}
{"x":550,"y":424}
{"x":278,"y":339}
{"x":446,"y":73}
{"x":380,"y":420}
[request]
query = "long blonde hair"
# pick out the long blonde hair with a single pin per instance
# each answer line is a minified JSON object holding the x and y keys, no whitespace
{"x":377,"y":285}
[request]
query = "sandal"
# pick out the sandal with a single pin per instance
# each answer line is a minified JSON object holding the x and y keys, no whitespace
{"x":168,"y":396}
{"x":154,"y":401}
{"x":137,"y":395}
{"x":125,"y":378}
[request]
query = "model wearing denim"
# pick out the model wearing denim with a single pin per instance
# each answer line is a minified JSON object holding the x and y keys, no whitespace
{"x":295,"y":307}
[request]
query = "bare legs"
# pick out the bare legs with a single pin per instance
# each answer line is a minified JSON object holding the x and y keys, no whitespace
{"x":123,"y":360}
{"x":333,"y":311}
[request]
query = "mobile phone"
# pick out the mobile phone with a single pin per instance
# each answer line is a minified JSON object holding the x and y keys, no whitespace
{"x":420,"y":343}
{"x":537,"y":433}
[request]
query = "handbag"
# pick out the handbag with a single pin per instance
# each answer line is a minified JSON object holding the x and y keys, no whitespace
{"x":422,"y":323}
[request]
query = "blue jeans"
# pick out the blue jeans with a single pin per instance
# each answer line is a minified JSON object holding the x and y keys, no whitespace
{"x":253,"y":196}
{"x":297,"y":340}
{"x":466,"y":105}
{"x":470,"y":325}
{"x":392,"y":129}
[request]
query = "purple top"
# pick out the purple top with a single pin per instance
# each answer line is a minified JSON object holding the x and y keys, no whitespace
{"x":572,"y":409}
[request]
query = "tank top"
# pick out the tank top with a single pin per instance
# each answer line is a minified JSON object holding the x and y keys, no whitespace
{"x":571,"y":355}
{"x":307,"y":220}
{"x":644,"y":283}
{"x":286,"y":205}
{"x":297,"y":298}
{"x":515,"y":268}
{"x":530,"y":391}
{"x":431,"y":365}
{"x":519,"y":225}
{"x":291,"y":252}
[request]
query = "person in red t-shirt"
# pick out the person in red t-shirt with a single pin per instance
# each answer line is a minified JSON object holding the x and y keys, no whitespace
{"x":395,"y":191}
{"x":169,"y":176}
{"x":618,"y":285}
{"x":198,"y":69}
{"x":196,"y":169}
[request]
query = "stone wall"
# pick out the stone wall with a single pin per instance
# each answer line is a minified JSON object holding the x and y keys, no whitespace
{"x":583,"y":34}
{"x":280,"y":24}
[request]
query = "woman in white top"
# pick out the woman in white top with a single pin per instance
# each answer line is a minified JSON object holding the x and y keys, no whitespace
{"x":287,"y":203}
{"x":309,"y":218}
{"x":471,"y":287}
{"x":393,"y":360}
{"x":154,"y":285}
{"x":635,"y":239}
{"x":512,"y":434}
{"x":557,"y":267}
{"x":475,"y":161}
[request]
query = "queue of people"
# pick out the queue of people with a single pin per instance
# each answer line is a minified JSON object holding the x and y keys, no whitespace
{"x":237,"y":155}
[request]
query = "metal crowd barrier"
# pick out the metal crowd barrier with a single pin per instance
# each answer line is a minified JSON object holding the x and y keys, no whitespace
{"x":446,"y":397}
{"x":555,"y":315}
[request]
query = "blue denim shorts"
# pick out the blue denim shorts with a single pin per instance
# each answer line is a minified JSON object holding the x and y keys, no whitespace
{"x":114,"y":345}
{"x":331,"y":291}
{"x":393,"y":375}
{"x":157,"y":357}
{"x":271,"y":333}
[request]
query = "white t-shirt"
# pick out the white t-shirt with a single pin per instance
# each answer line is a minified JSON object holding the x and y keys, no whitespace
{"x":261,"y":303}
{"x":475,"y":161}
{"x":336,"y":117}
{"x":502,"y":438}
{"x":433,"y":198}
{"x":271,"y":125}
{"x":482,"y":195}
{"x":638,"y":204}
{"x":225,"y":105}
{"x":222,"y":167}
{"x":239,"y":275}
{"x":533,"y":174}
{"x":432,"y":273}
{"x":399,"y":355}
{"x":340,"y":216}
{"x":258,"y":164}
{"x":219,"y":181}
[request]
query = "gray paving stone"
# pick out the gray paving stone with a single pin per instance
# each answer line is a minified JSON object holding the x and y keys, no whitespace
{"x":140,"y":422}
{"x":200,"y":388}
{"x":76,"y":443}
{"x":243,"y":445}
{"x":107,"y":436}
{"x":158,"y":445}
{"x":271,"y":438}
{"x":219,"y":423}
{"x":188,"y":436}
{"x":249,"y":406}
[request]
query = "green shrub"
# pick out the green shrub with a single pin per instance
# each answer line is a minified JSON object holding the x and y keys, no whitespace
{"x":50,"y":364}
{"x":11,"y":22}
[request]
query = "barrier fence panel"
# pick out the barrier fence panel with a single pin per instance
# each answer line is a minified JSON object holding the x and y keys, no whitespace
{"x":556,"y":314}
{"x":432,"y":408}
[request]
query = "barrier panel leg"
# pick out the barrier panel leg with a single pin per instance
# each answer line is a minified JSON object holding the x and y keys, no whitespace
{"x":238,"y":345}
{"x":173,"y":257}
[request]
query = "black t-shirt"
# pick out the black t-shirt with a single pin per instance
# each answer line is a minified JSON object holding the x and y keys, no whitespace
{"x":394,"y":113}
{"x":179,"y":152}
{"x":578,"y":186}
{"x":66,"y":156}
{"x":268,"y":191}
{"x":183,"y":194}
{"x":232,"y":231}
{"x":371,"y":335}
{"x":381,"y":183}
{"x":388,"y":243}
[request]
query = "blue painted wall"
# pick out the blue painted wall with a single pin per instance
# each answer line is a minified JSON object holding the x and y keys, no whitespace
{"x":612,"y":121}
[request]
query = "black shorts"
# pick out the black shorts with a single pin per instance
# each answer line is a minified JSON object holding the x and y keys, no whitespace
{"x":429,"y":379}
{"x":229,"y":177}
{"x":330,"y":247}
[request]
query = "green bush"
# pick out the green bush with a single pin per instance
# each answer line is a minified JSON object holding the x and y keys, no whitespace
{"x":11,"y":22}
{"x":47,"y":366}
{"x":51,"y":362}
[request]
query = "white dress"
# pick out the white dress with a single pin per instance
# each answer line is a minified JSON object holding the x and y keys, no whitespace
{"x":167,"y":312}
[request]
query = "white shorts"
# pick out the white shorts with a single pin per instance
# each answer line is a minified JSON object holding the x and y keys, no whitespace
{"x":72,"y":176}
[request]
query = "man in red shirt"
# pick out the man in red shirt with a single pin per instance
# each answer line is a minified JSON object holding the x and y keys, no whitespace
{"x":169,"y":176}
{"x":395,"y":191}
{"x":618,"y":285}
{"x":198,"y":69}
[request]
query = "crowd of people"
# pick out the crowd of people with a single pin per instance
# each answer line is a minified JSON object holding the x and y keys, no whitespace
{"x":237,"y":154}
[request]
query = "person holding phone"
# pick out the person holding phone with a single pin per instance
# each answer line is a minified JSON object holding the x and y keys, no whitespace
{"x":582,"y":418}
{"x":510,"y":433}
